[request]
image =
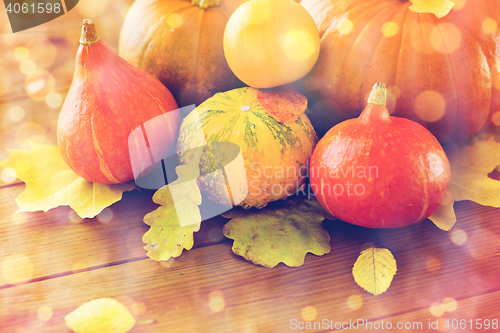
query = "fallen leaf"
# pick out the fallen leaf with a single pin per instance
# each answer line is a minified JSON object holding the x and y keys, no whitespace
{"x":282,"y":105}
{"x":374,"y":270}
{"x":440,"y":8}
{"x":100,"y":316}
{"x":178,"y":217}
{"x":283,"y":231}
{"x":51,"y":183}
{"x":444,"y":217}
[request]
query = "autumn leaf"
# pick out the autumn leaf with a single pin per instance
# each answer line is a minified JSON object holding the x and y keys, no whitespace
{"x":470,"y":167}
{"x":51,"y":183}
{"x":374,"y":270}
{"x":283,"y":231}
{"x":178,"y":217}
{"x":282,"y":105}
{"x":440,"y":8}
{"x":104,"y":315}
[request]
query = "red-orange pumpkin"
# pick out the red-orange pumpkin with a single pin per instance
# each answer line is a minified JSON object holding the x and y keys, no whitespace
{"x":108,"y":99}
{"x":180,"y":43}
{"x":441,"y":72}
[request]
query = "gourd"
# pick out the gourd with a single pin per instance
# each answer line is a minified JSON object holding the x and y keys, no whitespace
{"x":441,"y":72}
{"x":275,"y":154}
{"x":180,"y":43}
{"x":107,"y":100}
{"x":379,"y":171}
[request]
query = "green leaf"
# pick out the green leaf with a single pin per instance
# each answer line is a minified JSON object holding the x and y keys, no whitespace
{"x":104,"y":315}
{"x":51,"y":183}
{"x":374,"y":270}
{"x":284,"y":231}
{"x":178,"y":217}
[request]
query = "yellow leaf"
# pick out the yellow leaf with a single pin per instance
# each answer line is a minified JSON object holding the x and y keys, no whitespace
{"x":374,"y":269}
{"x":444,"y":217}
{"x":100,"y":316}
{"x":437,"y":7}
{"x":51,"y":183}
{"x":178,"y":217}
{"x":283,"y":231}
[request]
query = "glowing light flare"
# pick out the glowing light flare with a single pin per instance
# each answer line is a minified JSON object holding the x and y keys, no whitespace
{"x":138,"y":308}
{"x":459,"y":4}
{"x":30,"y":131}
{"x":17,"y":113}
{"x":299,"y":45}
{"x":355,"y":302}
{"x":450,"y":304}
{"x":433,"y":264}
{"x":458,"y":236}
{"x":27,"y":67}
{"x":437,"y":309}
{"x":167,"y":263}
{"x":446,"y":38}
{"x":44,"y":313}
{"x":344,"y":26}
{"x":495,"y":118}
{"x":42,"y":51}
{"x":8,"y":175}
{"x":22,"y":165}
{"x":21,"y":53}
{"x":73,"y":217}
{"x":105,"y":216}
{"x":17,"y":268}
{"x":430,"y":106}
{"x":390,"y":29}
{"x":309,"y":313}
{"x":39,"y":84}
{"x":54,"y":100}
{"x":483,"y":244}
{"x":215,"y":235}
{"x":174,"y":20}
{"x":216,"y":301}
{"x":92,"y":8}
{"x":489,"y":25}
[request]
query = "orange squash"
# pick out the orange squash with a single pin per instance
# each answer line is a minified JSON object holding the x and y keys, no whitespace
{"x":180,"y":43}
{"x":108,"y":99}
{"x":441,"y":72}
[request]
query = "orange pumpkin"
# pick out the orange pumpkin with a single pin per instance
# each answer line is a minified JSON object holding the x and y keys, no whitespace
{"x":108,"y":99}
{"x":441,"y":72}
{"x":180,"y":43}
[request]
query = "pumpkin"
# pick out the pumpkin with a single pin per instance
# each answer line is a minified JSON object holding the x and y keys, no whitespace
{"x":275,"y":154}
{"x":269,"y":43}
{"x":379,"y":171}
{"x":109,"y":99}
{"x":441,"y":72}
{"x":180,"y":43}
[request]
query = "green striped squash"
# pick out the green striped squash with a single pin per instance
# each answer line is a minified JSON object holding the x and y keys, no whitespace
{"x":275,"y":155}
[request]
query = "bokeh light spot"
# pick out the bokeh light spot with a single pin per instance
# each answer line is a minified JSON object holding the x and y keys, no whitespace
{"x":459,"y":4}
{"x":17,"y":113}
{"x":489,"y":25}
{"x":54,"y":100}
{"x":39,"y":84}
{"x":22,"y":165}
{"x":44,"y":313}
{"x":174,"y":20}
{"x":91,"y":8}
{"x":79,"y":267}
{"x":344,"y":26}
{"x":167,"y":263}
{"x":390,"y":29}
{"x":309,"y":313}
{"x":299,"y":45}
{"x":216,"y":301}
{"x":430,"y":106}
{"x":458,"y":236}
{"x":437,"y":309}
{"x":27,"y":67}
{"x":21,"y":53}
{"x":138,"y":308}
{"x":446,"y":38}
{"x":9,"y":175}
{"x":215,"y":235}
{"x":73,"y":217}
{"x":432,"y":264}
{"x":354,"y":302}
{"x":449,"y":304}
{"x":495,"y":118}
{"x":105,"y":216}
{"x":17,"y":268}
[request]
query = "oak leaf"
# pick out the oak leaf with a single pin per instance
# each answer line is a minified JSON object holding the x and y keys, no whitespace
{"x":104,"y":315}
{"x":51,"y":183}
{"x":283,"y":231}
{"x":374,"y":270}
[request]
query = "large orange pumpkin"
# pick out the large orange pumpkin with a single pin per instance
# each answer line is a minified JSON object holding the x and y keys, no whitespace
{"x":441,"y":72}
{"x":180,"y":43}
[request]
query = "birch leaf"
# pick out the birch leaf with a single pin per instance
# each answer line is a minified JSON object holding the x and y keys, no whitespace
{"x":51,"y":183}
{"x":104,"y":315}
{"x":283,"y":231}
{"x":178,"y":217}
{"x":374,"y":270}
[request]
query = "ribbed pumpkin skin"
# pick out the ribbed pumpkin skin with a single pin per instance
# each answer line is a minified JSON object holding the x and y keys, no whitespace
{"x":415,"y":59}
{"x":107,"y":100}
{"x":269,"y":148}
{"x":189,"y":59}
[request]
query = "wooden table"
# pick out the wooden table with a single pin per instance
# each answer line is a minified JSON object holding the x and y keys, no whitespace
{"x":49,"y":265}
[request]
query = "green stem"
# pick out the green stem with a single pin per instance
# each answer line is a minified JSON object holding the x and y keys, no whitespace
{"x":205,"y":3}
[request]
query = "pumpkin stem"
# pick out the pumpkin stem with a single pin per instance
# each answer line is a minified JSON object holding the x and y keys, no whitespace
{"x":205,"y":3}
{"x":89,"y":34}
{"x":378,"y":95}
